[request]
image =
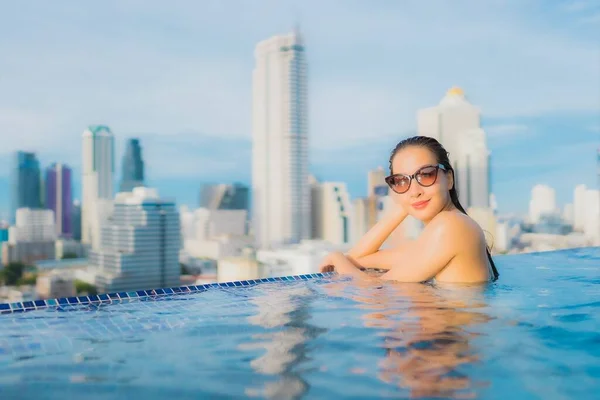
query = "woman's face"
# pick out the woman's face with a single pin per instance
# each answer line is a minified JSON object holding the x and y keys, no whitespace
{"x":423,"y":203}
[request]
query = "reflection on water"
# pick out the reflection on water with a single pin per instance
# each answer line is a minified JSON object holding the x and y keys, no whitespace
{"x":426,"y":333}
{"x":284,"y":314}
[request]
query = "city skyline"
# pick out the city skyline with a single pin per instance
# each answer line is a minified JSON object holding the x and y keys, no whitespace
{"x":535,"y":90}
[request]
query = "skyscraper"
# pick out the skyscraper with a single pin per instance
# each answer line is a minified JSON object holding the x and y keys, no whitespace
{"x":76,"y":220}
{"x":331,"y":212}
{"x":280,"y":186}
{"x":139,"y":249}
{"x":58,"y":197}
{"x":25,"y":182}
{"x":133,"y":167}
{"x":224,"y":196}
{"x":97,"y":182}
{"x":456,"y":124}
{"x":543,"y":202}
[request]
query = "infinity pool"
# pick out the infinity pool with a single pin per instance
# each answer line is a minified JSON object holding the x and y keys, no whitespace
{"x":533,"y":334}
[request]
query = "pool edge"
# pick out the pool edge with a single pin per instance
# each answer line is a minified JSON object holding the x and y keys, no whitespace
{"x":117,"y":297}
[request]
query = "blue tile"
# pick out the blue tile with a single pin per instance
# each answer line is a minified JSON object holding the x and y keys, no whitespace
{"x":28,"y":304}
{"x":244,"y":283}
{"x":72,"y":300}
{"x":104,"y":297}
{"x":177,"y":290}
{"x":51,"y":302}
{"x":94,"y":298}
{"x":159,"y":291}
{"x":83,"y":299}
{"x":40,"y":303}
{"x":168,"y":290}
{"x":123,"y":295}
{"x":16,"y":306}
{"x":141,"y":293}
{"x":237,"y":283}
{"x":4,"y":306}
{"x":132,"y":295}
{"x":223,"y":284}
{"x":230,"y":284}
{"x":113,"y":296}
{"x":63,"y":301}
{"x":270,"y":280}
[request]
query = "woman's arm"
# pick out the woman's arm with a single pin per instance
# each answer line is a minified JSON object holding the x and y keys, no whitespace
{"x":374,"y":238}
{"x":340,"y":263}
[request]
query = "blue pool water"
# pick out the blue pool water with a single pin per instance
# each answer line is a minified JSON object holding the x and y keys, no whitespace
{"x":533,"y":334}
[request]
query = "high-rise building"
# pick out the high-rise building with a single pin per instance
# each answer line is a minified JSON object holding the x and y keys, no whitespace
{"x":579,"y":207}
{"x":543,"y":202}
{"x":97,"y":181}
{"x":376,"y":185}
{"x":224,"y":196}
{"x":25,"y":182}
{"x":132,"y":167}
{"x":331,"y":212}
{"x":76,"y":220}
{"x":31,"y":238}
{"x":456,"y":124}
{"x":139,"y":248}
{"x":280,"y":186}
{"x":58,"y":197}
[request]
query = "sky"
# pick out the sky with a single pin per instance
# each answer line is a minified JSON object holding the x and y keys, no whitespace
{"x":178,"y":75}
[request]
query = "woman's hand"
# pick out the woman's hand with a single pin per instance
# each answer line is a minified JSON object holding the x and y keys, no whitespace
{"x":339,"y":263}
{"x":327,"y":264}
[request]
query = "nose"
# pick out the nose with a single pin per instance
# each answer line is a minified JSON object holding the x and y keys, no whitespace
{"x":415,"y":189}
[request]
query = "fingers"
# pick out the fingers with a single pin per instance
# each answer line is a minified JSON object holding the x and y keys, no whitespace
{"x":327,"y":268}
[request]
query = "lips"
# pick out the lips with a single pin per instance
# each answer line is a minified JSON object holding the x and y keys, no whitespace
{"x":420,"y":205}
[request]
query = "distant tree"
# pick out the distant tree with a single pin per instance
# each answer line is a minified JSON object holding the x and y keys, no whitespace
{"x":11,"y":273}
{"x":183,"y":269}
{"x":82,"y":287}
{"x":69,"y":255}
{"x":27,"y":279}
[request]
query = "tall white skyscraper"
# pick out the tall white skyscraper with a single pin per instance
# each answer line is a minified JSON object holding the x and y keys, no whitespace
{"x":543,"y":202}
{"x":456,"y":124}
{"x":97,"y":182}
{"x":280,"y":186}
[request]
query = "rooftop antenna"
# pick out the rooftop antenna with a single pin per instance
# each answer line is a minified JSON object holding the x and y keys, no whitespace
{"x":297,"y":32}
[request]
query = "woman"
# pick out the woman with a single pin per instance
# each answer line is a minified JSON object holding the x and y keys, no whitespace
{"x":452,"y":246}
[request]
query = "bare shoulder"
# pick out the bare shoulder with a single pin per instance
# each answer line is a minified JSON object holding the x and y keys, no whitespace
{"x":456,"y":226}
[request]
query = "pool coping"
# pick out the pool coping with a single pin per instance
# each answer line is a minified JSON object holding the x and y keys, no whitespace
{"x":65,"y":303}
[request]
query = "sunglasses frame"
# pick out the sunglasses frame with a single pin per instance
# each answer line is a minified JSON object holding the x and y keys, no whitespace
{"x":413,"y":176}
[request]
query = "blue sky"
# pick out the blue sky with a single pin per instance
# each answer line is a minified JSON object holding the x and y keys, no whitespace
{"x":178,"y":76}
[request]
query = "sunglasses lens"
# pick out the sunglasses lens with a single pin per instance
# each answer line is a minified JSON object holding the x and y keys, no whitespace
{"x":427,"y":176}
{"x":399,"y":184}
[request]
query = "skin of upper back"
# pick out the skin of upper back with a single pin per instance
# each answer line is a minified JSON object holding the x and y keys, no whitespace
{"x":470,"y":262}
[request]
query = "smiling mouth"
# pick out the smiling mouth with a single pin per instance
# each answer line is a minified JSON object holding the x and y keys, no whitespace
{"x":420,"y":204}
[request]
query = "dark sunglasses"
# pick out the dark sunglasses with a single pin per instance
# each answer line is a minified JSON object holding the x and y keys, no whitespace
{"x":425,"y":176}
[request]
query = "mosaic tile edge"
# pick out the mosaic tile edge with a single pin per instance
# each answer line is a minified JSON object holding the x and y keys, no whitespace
{"x":64,"y":303}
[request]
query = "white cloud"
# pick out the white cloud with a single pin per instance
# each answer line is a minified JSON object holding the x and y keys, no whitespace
{"x":594,"y":128}
{"x":591,"y":19}
{"x":506,"y":129}
{"x":170,"y":70}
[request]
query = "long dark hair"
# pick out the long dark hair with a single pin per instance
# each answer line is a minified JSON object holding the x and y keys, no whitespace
{"x":442,"y":158}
